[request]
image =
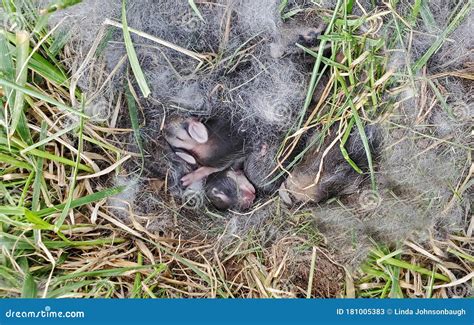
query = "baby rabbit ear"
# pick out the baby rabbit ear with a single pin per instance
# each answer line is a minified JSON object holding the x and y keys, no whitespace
{"x":186,"y":157}
{"x":198,"y":131}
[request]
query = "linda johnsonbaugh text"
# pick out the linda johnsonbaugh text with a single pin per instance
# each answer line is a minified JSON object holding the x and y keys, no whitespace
{"x":401,"y":311}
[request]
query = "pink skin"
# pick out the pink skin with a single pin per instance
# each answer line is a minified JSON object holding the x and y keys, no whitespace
{"x":197,"y":175}
{"x":188,"y":139}
{"x":247,"y":190}
{"x":193,"y":138}
{"x":245,"y":194}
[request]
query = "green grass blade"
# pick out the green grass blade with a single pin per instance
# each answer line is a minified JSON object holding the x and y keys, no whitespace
{"x":360,"y":128}
{"x":22,"y":49}
{"x":10,"y":241}
{"x":12,"y":211}
{"x":349,"y":6}
{"x":193,"y":6}
{"x":132,"y":55}
{"x":62,"y":160}
{"x":137,"y":284}
{"x":384,"y":259}
{"x":83,"y":200}
{"x":23,"y":129}
{"x":14,"y":162}
{"x":7,"y":69}
{"x":60,"y":41}
{"x":365,"y":142}
{"x":9,"y":276}
{"x":44,"y":141}
{"x":51,"y":72}
{"x":26,"y":187}
{"x":415,"y":268}
{"x":133,"y":112}
{"x":440,"y":40}
{"x":415,"y":10}
{"x":39,"y":223}
{"x":30,"y":289}
{"x":69,"y":288}
{"x":344,"y":152}
{"x":281,"y":7}
{"x":105,"y":273}
{"x":58,"y":5}
{"x":33,"y":93}
{"x":35,"y":203}
{"x":72,"y":186}
{"x":315,"y":75}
